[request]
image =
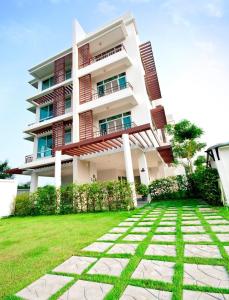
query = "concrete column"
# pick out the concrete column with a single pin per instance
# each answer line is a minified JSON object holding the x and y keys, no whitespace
{"x":34,"y":182}
{"x":143,"y":168}
{"x":58,"y":169}
{"x":129,"y":165}
{"x":75,"y":171}
{"x":93,"y":171}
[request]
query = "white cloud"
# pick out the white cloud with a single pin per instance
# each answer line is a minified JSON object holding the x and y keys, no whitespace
{"x":105,"y":7}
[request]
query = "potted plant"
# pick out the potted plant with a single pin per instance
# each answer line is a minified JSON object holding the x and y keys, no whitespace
{"x":143,"y":190}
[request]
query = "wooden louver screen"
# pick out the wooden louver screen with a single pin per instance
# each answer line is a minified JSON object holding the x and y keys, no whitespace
{"x":84,"y":56}
{"x":86,"y":125}
{"x":58,"y":134}
{"x":166,"y":153}
{"x":59,"y":101}
{"x":85,"y":89}
{"x":59,"y":70}
{"x":159,"y":117}
{"x":151,"y":79}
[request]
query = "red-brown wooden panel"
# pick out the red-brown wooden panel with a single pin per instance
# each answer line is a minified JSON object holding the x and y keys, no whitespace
{"x":166,"y":153}
{"x":58,"y":134}
{"x":85,"y":89}
{"x":86,"y":125}
{"x":59,"y":70}
{"x":59,"y":101}
{"x":151,"y":79}
{"x":84,"y":56}
{"x":159,"y":117}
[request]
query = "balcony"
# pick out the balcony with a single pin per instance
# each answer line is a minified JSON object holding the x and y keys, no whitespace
{"x":117,"y":96}
{"x":114,"y":57}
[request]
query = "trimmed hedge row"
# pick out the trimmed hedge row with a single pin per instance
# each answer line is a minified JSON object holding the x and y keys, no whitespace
{"x":72,"y":198}
{"x":202,"y":184}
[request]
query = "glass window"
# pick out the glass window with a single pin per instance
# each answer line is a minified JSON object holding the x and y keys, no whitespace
{"x":44,"y":147}
{"x":68,"y":136}
{"x":47,"y":83}
{"x":115,"y":123}
{"x":68,"y":74}
{"x":46,"y":112}
{"x":68,"y":104}
{"x":111,"y":84}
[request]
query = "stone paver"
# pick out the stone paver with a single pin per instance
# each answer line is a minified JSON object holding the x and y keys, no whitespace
{"x":123,"y":249}
{"x":167,"y":223}
{"x":44,"y":287}
{"x":197,"y":238}
{"x":149,"y":219}
{"x":223,"y":222}
{"x":213,"y":217}
{"x":154,"y":270}
{"x":132,"y":219}
{"x":191,"y":222}
{"x":127,"y":224}
{"x":134,"y":237}
{"x":139,"y":293}
{"x":163,"y":250}
{"x":226,"y":249}
{"x":119,"y":229}
{"x":206,"y":275}
{"x":145,"y":223}
{"x":109,"y":266}
{"x":209,"y":251}
{"x":192,"y":229}
{"x":86,"y":290}
{"x":166,"y":229}
{"x":141,"y":229}
{"x":109,"y":237}
{"x":75,"y":264}
{"x":98,"y":247}
{"x":223,"y":237}
{"x":195,"y":295}
{"x":220,"y":228}
{"x":163,"y":238}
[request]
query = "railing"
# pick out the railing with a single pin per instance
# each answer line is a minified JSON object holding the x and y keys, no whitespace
{"x":103,"y":55}
{"x":28,"y":158}
{"x":105,"y":92}
{"x":103,"y":132}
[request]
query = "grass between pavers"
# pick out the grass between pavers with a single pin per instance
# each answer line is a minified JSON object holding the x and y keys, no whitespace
{"x":176,"y":286}
{"x":32,"y":246}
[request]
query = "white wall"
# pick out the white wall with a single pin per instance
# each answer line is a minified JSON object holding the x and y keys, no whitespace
{"x":8,"y":192}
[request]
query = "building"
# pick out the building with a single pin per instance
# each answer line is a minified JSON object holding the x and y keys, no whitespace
{"x":218,"y":158}
{"x":98,"y":111}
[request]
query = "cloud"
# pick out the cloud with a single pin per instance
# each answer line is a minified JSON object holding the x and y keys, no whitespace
{"x":105,"y":7}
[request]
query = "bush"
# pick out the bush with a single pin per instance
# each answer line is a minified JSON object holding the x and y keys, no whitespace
{"x":174,"y":187}
{"x":204,"y":184}
{"x":45,"y":200}
{"x":142,"y":190}
{"x":24,"y":205}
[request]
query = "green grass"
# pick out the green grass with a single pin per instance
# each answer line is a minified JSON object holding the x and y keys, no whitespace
{"x":31,"y":247}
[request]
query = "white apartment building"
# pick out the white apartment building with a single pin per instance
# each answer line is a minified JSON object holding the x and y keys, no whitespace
{"x":98,"y":111}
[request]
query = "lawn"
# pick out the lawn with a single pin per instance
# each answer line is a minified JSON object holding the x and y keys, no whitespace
{"x":32,"y":246}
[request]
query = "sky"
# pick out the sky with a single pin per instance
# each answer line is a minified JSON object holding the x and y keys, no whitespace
{"x":190,"y":40}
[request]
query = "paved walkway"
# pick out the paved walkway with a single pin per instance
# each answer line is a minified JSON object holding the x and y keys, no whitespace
{"x":162,"y":252}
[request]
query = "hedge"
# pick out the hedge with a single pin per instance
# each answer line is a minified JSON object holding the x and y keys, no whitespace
{"x":73,"y":198}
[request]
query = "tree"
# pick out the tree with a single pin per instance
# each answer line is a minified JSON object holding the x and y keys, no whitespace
{"x":185,"y":142}
{"x":200,"y":162}
{"x":3,"y":168}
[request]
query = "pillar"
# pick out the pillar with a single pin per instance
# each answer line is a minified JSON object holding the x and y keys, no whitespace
{"x":34,"y":182}
{"x":129,"y":165}
{"x":58,"y":169}
{"x":143,"y":169}
{"x":75,"y":169}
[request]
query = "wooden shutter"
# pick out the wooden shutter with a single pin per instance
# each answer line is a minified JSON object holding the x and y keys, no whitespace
{"x":84,"y":56}
{"x":59,"y":101}
{"x":86,"y":125}
{"x":57,"y":135}
{"x":166,"y":153}
{"x":85,"y":89}
{"x":159,"y":117}
{"x":59,"y":70}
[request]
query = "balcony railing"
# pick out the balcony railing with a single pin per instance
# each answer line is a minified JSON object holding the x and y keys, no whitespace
{"x":103,"y":132}
{"x":105,"y":92}
{"x":102,"y":55}
{"x":28,"y":158}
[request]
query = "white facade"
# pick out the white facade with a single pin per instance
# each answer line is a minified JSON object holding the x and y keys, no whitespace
{"x":8,"y":192}
{"x":127,"y":101}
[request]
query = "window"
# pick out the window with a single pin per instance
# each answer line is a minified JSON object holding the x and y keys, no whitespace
{"x":68,"y":74}
{"x":68,"y":136}
{"x":44,"y":147}
{"x":68,"y":104}
{"x":46,"y":112}
{"x":47,"y":83}
{"x":115,"y":123}
{"x":111,"y":84}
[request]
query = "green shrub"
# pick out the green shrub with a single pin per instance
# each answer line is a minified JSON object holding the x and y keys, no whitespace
{"x":45,"y":200}
{"x":174,"y":187}
{"x":142,"y":189}
{"x":204,"y":184}
{"x":24,"y":205}
{"x":66,"y":199}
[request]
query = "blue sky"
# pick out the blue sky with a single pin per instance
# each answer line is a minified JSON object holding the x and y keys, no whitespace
{"x":189,"y":39}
